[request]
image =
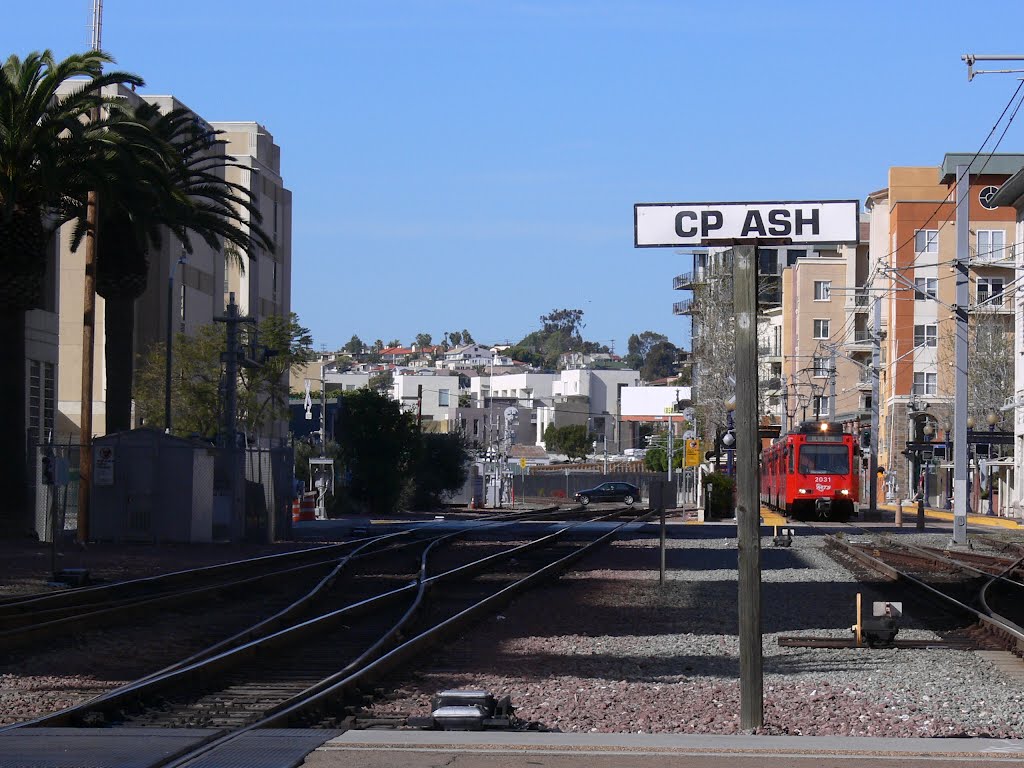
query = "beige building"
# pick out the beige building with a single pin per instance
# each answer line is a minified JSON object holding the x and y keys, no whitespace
{"x":193,"y":287}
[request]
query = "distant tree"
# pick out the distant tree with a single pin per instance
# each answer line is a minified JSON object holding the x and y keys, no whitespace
{"x":423,"y":340}
{"x":465,"y":400}
{"x":660,"y":361}
{"x":559,"y":333}
{"x":378,"y":345}
{"x":354,"y":345}
{"x":377,"y":444}
{"x":394,"y":343}
{"x":455,"y":338}
{"x":523,"y":354}
{"x":467,"y":338}
{"x":656,"y":459}
{"x":439,"y":469}
{"x":573,"y":440}
{"x":639,"y":345}
{"x":195,"y":386}
{"x":381,"y":382}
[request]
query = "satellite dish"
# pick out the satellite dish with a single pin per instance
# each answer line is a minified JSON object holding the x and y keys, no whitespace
{"x":511,"y":413}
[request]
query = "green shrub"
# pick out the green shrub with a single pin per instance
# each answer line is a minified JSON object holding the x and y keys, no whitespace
{"x":723,"y":489}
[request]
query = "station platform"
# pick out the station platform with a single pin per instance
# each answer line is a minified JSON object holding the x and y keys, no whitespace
{"x":284,"y":748}
{"x":931,"y":513}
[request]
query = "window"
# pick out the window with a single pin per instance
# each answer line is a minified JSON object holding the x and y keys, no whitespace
{"x":991,"y":244}
{"x":820,"y":367}
{"x":924,"y":383}
{"x":476,"y":427}
{"x":821,"y":329}
{"x":820,"y":405}
{"x":792,"y":254}
{"x":824,"y":459}
{"x":442,"y":397}
{"x":926,"y":288}
{"x":926,"y":335}
{"x":767,"y":261}
{"x":823,"y":290}
{"x":990,"y":291}
{"x":926,"y":241}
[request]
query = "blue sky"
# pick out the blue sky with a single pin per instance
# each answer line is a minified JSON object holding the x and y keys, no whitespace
{"x":469,"y":164}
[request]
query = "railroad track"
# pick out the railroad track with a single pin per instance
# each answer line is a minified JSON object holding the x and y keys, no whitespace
{"x":303,"y":674}
{"x":953,"y":583}
{"x":271,"y":580}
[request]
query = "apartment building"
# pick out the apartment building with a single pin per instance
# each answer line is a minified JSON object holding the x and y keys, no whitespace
{"x":1011,"y":194}
{"x":913,"y":266}
{"x":188,"y":290}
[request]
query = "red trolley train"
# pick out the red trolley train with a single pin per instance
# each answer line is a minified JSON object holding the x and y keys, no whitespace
{"x":812,"y":473}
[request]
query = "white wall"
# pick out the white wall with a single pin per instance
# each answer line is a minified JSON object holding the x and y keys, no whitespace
{"x":651,"y":401}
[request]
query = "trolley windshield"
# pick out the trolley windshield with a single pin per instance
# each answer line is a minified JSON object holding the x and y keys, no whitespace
{"x":824,"y":459}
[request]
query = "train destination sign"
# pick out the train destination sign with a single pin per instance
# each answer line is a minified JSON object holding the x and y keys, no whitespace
{"x":657,"y":225}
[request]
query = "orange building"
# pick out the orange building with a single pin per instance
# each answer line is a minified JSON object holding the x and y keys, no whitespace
{"x":913,"y":249}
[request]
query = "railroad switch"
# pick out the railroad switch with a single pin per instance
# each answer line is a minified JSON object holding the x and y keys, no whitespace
{"x":466,"y":711}
{"x":879,"y":629}
{"x":784,"y":539}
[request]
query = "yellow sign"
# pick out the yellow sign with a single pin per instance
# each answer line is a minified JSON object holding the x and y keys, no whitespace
{"x":693,"y":453}
{"x":522,"y":463}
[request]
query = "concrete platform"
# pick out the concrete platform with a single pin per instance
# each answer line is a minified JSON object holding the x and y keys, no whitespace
{"x":284,"y":748}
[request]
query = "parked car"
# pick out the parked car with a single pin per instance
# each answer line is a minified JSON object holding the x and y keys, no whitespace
{"x":624,"y":492}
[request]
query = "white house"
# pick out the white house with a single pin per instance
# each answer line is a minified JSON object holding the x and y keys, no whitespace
{"x":434,"y":397}
{"x":470,"y":355}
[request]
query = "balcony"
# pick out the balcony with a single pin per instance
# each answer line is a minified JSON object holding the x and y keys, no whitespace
{"x":688,"y":281}
{"x":861,"y":300}
{"x":769,"y":350}
{"x":860,"y":338}
{"x":685,"y":307}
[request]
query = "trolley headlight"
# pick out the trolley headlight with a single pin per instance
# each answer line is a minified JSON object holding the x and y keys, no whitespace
{"x":845,"y":492}
{"x":804,"y":490}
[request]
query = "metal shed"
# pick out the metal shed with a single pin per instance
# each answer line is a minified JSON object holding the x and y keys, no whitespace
{"x":150,"y":486}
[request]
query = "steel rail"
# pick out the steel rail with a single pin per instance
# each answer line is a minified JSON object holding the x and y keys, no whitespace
{"x":193,"y":674}
{"x":398,"y":655}
{"x":990,"y":622}
{"x":76,"y":597}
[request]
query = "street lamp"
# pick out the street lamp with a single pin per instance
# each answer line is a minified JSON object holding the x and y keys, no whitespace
{"x":182,"y":260}
{"x":928,"y":430}
{"x":730,"y":406}
{"x":991,"y":419}
{"x":947,"y":430}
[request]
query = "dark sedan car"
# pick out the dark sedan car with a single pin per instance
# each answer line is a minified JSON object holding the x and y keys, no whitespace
{"x":624,"y":492}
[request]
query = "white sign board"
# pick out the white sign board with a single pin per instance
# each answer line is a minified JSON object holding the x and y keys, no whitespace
{"x":103,"y":466}
{"x":802,"y":222}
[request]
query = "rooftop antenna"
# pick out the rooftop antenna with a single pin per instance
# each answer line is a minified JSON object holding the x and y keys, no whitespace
{"x":96,"y":26}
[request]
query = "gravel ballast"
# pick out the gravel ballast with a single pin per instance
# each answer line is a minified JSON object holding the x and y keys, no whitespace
{"x":607,"y":649}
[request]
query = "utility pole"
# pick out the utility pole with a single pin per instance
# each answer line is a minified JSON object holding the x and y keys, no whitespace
{"x":92,"y":218}
{"x":832,"y":387}
{"x":785,"y":407}
{"x":419,"y":407}
{"x":960,"y":305}
{"x":748,"y":510}
{"x":876,"y":363}
{"x":229,"y":431}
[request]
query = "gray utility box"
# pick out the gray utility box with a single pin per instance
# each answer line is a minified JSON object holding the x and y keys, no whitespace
{"x":149,"y":486}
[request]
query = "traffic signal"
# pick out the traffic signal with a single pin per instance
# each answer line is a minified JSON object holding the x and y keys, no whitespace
{"x":48,"y":469}
{"x":865,"y":438}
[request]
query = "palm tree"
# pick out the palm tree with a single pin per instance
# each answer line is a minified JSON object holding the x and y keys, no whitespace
{"x":181,"y":190}
{"x":51,"y":154}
